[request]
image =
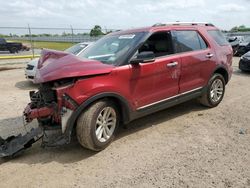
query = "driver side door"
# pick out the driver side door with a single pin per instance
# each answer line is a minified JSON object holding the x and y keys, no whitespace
{"x":156,"y":82}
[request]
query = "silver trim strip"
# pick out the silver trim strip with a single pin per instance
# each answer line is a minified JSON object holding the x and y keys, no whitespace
{"x":163,"y":100}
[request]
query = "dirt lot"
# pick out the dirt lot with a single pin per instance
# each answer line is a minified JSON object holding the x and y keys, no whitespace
{"x":184,"y":146}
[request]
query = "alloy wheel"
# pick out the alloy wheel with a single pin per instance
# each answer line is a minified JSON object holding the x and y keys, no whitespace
{"x":216,"y":91}
{"x":105,"y":124}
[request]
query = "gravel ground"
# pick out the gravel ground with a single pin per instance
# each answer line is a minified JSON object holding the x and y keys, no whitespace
{"x":184,"y":146}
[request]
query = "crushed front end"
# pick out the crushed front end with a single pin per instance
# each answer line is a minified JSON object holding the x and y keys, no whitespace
{"x":61,"y":77}
{"x":52,"y":108}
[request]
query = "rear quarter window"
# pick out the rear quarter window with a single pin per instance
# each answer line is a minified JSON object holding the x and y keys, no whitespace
{"x":218,"y":37}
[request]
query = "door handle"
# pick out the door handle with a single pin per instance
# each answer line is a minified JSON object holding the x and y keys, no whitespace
{"x":173,"y":64}
{"x":209,"y":55}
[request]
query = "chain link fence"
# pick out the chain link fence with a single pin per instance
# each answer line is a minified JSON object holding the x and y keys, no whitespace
{"x":244,"y":34}
{"x":44,"y":37}
{"x":59,"y":38}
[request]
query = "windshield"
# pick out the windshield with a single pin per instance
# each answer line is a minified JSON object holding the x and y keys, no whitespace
{"x":76,"y":48}
{"x":112,"y":48}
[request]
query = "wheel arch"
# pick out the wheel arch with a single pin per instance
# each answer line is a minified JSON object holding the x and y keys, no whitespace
{"x":221,"y":70}
{"x":123,"y":106}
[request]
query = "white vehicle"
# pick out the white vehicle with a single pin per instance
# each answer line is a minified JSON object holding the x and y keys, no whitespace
{"x":31,"y":67}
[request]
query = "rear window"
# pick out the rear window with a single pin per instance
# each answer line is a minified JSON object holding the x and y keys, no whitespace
{"x":218,"y":37}
{"x":185,"y":41}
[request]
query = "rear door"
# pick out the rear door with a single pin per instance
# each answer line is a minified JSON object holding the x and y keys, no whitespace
{"x":196,"y":58}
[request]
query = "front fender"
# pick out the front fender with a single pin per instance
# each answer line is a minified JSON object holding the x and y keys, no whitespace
{"x":125,"y":108}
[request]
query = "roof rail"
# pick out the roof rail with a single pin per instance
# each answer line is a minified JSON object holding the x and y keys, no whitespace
{"x":183,"y":23}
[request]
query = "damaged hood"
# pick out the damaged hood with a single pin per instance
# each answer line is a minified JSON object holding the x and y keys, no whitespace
{"x":55,"y":65}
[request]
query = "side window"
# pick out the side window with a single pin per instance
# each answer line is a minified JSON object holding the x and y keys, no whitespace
{"x":218,"y":37}
{"x":203,"y":44}
{"x":185,"y":41}
{"x":160,"y":43}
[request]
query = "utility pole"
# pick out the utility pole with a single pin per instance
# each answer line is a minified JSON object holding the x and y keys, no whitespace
{"x":72,"y":33}
{"x":106,"y":29}
{"x":31,"y":43}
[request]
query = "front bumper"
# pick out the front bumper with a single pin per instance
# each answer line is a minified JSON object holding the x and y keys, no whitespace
{"x":15,"y":144}
{"x":30,"y":74}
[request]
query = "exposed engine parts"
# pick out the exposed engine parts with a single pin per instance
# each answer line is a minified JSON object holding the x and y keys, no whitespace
{"x":50,"y":112}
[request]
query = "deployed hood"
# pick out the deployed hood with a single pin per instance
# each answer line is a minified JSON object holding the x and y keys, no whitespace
{"x":55,"y":65}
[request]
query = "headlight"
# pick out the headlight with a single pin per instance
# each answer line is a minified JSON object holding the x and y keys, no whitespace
{"x":30,"y":67}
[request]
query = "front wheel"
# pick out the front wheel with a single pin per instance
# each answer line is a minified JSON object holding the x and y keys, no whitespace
{"x":214,"y":92}
{"x":96,"y":126}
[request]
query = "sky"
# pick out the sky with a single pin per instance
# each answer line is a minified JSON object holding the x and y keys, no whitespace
{"x":122,"y":14}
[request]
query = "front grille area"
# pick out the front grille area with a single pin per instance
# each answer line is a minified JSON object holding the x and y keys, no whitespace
{"x":30,"y":77}
{"x":30,"y":67}
{"x":43,"y":97}
{"x":47,"y":94}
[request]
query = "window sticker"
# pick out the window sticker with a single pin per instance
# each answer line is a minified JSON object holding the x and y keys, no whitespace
{"x":126,"y":36}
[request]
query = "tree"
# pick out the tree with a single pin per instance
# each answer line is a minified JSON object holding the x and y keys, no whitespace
{"x":241,"y":28}
{"x":234,"y":29}
{"x":96,"y":31}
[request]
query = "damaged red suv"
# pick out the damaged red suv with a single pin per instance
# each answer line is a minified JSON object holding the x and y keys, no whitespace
{"x":126,"y":75}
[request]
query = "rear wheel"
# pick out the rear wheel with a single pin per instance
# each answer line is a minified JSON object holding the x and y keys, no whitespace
{"x":96,"y":126}
{"x":214,"y":92}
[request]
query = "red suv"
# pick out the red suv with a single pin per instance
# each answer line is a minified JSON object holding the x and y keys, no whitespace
{"x":126,"y":75}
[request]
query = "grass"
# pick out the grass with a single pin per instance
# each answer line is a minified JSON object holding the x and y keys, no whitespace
{"x":49,"y":45}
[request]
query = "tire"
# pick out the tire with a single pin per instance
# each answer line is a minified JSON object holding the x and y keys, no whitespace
{"x":214,"y":92}
{"x":87,"y":126}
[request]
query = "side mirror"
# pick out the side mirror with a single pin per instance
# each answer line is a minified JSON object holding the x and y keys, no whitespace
{"x":143,"y":57}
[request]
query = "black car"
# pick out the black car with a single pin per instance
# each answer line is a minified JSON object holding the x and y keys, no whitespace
{"x":12,"y":47}
{"x":234,"y":42}
{"x":244,"y":64}
{"x":244,"y":47}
